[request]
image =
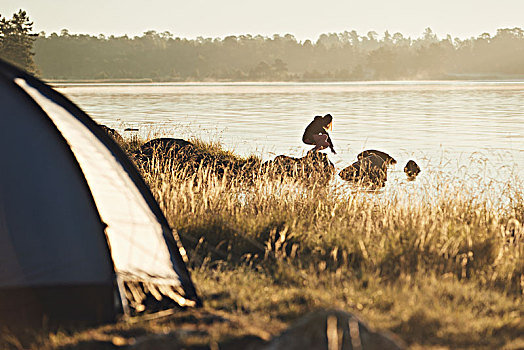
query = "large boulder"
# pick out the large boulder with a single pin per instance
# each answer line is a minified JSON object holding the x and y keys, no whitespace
{"x":387,"y":158}
{"x":333,"y":329}
{"x":368,"y":171}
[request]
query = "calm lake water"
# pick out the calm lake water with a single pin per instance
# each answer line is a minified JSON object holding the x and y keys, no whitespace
{"x":468,"y":129}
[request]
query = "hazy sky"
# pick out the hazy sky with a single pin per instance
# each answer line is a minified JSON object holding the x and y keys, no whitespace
{"x":306,"y":19}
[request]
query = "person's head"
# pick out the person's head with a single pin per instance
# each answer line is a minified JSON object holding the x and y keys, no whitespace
{"x":327,"y":121}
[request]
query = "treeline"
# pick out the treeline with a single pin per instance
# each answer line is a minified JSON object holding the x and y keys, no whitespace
{"x":333,"y":57}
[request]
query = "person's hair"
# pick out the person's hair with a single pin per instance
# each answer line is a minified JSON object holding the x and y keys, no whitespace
{"x":327,"y":120}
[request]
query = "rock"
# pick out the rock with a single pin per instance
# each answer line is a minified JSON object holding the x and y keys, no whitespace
{"x":165,"y":150}
{"x":285,"y":164}
{"x":113,"y":133}
{"x":371,"y":170}
{"x":183,"y":155}
{"x":165,"y":146}
{"x":333,"y":329}
{"x":314,"y":165}
{"x":412,"y":170}
{"x":387,"y":158}
{"x":168,"y":152}
{"x":318,"y":161}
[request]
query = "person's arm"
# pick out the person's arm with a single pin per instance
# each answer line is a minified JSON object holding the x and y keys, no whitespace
{"x":331,"y":147}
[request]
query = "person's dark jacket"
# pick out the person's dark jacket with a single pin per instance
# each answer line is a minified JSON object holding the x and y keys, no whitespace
{"x":316,"y":127}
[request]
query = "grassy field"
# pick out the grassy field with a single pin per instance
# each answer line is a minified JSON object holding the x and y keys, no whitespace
{"x":443,"y":272}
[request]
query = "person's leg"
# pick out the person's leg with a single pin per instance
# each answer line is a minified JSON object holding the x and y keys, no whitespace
{"x":320,"y":142}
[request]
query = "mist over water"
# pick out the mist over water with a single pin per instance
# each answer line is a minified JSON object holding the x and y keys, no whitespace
{"x":460,"y":129}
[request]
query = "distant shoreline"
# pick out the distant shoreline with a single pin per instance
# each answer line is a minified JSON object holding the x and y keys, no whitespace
{"x":98,"y":81}
{"x":453,"y":77}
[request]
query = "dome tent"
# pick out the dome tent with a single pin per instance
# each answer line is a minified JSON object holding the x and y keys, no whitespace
{"x":81,"y":237}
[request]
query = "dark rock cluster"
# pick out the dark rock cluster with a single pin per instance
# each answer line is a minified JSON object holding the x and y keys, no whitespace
{"x":370,"y":169}
{"x":184,"y":154}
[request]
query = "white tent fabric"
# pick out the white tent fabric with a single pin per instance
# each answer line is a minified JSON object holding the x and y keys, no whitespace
{"x":135,"y":236}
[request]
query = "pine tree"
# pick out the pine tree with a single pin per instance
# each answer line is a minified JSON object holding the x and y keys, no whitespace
{"x":16,"y":41}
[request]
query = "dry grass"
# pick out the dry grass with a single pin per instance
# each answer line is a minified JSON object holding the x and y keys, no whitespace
{"x":262,"y":221}
{"x":442,"y":269}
